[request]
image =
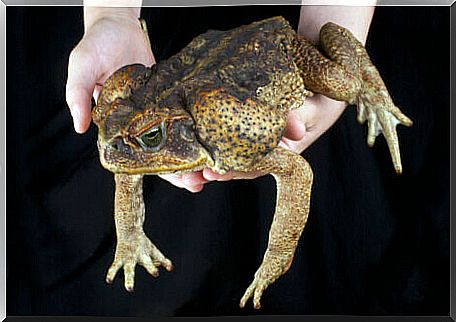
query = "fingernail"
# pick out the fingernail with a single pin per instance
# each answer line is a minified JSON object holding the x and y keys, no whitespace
{"x":210,"y":175}
{"x":196,"y":188}
{"x":295,"y":129}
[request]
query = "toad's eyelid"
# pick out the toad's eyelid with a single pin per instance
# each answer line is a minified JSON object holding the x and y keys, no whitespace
{"x":153,"y":131}
{"x":146,"y":129}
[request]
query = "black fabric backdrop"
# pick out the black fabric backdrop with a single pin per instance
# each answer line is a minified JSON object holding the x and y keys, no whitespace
{"x":376,"y":243}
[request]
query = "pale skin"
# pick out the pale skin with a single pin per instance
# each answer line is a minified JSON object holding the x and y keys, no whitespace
{"x":113,"y":38}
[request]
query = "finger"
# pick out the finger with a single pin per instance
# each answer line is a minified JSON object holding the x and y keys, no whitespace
{"x":210,"y":175}
{"x":79,"y":88}
{"x":129,"y":273}
{"x":230,"y":175}
{"x":174,"y":179}
{"x":159,"y":259}
{"x":147,"y":263}
{"x":168,"y":265}
{"x":403,"y":119}
{"x":165,"y":262}
{"x":257,"y":295}
{"x":372,"y":129}
{"x":178,"y":180}
{"x":389,"y":131}
{"x":298,"y":146}
{"x":296,"y":128}
{"x":248,"y":294}
{"x":193,"y":179}
{"x":113,"y":271}
{"x":361,"y":117}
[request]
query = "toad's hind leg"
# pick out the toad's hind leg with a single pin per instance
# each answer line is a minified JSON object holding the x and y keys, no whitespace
{"x":294,"y":180}
{"x":349,"y":75}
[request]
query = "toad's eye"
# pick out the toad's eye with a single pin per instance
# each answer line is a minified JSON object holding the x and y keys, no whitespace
{"x":151,"y":139}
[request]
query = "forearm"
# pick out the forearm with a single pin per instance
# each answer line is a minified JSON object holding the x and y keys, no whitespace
{"x":96,"y":9}
{"x":355,"y":18}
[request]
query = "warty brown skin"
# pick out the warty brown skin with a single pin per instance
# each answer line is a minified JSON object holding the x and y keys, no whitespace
{"x":221,"y":103}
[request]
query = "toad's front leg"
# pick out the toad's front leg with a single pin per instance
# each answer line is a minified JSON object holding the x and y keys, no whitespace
{"x":133,"y":246}
{"x":294,"y":181}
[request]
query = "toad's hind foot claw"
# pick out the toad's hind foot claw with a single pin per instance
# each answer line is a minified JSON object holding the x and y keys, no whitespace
{"x":382,"y":117}
{"x":256,"y":290}
{"x":136,"y":249}
{"x":273,"y":266}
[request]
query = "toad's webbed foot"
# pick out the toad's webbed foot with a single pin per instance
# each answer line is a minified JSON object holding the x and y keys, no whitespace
{"x":136,"y":249}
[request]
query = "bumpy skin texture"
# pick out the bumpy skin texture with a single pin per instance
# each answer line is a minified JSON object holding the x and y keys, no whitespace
{"x":221,"y":103}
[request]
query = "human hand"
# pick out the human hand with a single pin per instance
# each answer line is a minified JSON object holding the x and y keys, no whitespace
{"x":113,"y":38}
{"x":304,"y":126}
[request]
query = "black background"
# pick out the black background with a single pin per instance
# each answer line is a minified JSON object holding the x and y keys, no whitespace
{"x":375,"y":243}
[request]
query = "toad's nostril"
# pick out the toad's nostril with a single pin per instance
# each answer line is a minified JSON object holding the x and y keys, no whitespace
{"x":118,"y":144}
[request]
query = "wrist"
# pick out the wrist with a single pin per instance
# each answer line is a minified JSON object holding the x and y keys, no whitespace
{"x":357,"y":19}
{"x":125,"y":10}
{"x":326,"y":112}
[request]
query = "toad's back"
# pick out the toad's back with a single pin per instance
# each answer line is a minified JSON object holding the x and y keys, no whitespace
{"x":238,"y":85}
{"x":242,"y":59}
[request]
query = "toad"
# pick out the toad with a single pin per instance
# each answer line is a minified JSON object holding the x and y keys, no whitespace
{"x":222,"y":103}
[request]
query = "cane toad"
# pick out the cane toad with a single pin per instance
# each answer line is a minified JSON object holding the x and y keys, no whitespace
{"x":222,"y":103}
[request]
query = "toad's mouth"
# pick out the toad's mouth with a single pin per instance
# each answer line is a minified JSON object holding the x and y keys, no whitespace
{"x":125,"y":160}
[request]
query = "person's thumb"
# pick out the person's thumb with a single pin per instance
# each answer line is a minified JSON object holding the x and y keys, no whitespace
{"x":295,"y":128}
{"x":81,"y":81}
